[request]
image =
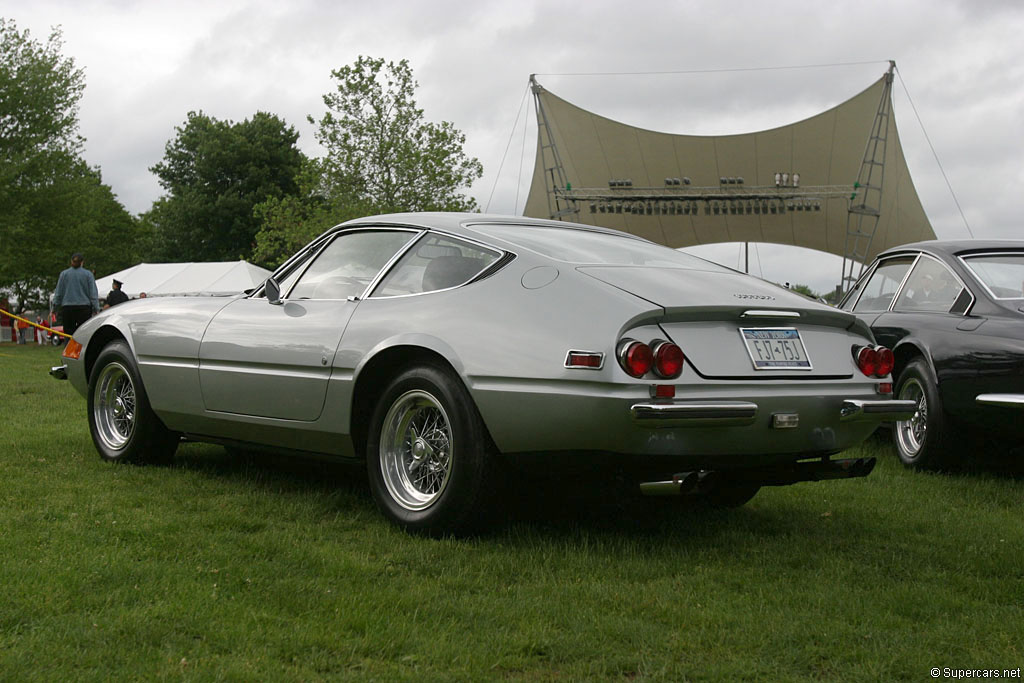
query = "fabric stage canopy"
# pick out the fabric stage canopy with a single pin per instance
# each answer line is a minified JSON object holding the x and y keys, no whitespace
{"x":798,"y":184}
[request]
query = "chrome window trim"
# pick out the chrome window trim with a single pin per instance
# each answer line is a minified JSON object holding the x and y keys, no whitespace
{"x":949,"y":270}
{"x":501,"y":255}
{"x":916,"y":256}
{"x":863,"y":278}
{"x":903,"y":283}
{"x":415,"y":232}
{"x":310,"y":251}
{"x":314,"y":253}
{"x":390,"y":264}
{"x":964,"y":262}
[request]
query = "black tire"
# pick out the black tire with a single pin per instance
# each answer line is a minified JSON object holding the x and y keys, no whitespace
{"x":922,"y":442}
{"x":430,"y":466}
{"x":124,"y":427}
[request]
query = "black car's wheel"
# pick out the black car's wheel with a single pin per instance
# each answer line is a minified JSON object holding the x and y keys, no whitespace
{"x":428,"y":460}
{"x":922,"y":440}
{"x":123,"y":426}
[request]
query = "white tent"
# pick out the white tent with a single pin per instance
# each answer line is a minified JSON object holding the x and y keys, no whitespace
{"x":185,"y":279}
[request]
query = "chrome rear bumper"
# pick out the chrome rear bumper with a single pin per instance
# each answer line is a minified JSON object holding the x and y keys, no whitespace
{"x":694,"y":413}
{"x":856,"y":410}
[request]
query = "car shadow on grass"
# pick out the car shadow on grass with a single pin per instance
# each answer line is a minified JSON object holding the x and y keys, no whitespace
{"x":978,"y":456}
{"x":275,"y":471}
{"x":552,"y":504}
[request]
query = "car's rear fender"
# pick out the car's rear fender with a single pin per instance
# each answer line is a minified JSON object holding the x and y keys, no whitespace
{"x":372,"y":375}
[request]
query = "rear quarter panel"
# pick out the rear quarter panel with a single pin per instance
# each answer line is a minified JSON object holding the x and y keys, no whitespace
{"x":503,"y":338}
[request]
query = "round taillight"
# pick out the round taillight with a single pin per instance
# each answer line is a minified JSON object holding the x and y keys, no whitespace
{"x":886,"y":361}
{"x":867,"y":361}
{"x":668,"y":360}
{"x":635,"y":357}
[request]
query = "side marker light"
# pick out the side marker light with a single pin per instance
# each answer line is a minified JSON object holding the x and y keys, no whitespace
{"x":72,"y":350}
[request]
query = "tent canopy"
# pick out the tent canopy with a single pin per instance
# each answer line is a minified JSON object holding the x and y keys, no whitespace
{"x":185,"y":279}
{"x":796,"y":184}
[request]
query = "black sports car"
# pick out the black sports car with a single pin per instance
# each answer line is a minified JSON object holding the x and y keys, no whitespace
{"x":953,"y":313}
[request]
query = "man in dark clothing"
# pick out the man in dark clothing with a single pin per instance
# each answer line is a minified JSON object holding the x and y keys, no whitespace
{"x":116,"y":296}
{"x":76,"y":297}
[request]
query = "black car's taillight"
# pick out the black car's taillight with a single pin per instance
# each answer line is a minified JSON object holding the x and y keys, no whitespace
{"x":875,"y":361}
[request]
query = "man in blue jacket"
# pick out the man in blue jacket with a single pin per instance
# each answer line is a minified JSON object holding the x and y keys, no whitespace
{"x":76,"y":297}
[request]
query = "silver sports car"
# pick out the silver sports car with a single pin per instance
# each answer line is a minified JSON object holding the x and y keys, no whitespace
{"x":436,"y":347}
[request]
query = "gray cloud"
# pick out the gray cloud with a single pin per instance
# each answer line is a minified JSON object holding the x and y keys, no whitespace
{"x":148,"y":64}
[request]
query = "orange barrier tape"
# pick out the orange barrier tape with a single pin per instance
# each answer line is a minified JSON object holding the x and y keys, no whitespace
{"x":41,"y":327}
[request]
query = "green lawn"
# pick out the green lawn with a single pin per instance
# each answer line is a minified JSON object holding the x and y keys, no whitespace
{"x":221,"y":568}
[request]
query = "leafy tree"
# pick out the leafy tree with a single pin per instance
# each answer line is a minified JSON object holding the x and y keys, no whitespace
{"x":381,"y":156}
{"x":215,"y":172}
{"x":833,"y":296}
{"x":51,"y":202}
{"x":287,"y":223}
{"x":39,"y":93}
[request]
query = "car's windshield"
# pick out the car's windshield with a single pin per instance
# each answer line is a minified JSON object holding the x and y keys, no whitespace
{"x":583,"y":246}
{"x":1002,"y":274}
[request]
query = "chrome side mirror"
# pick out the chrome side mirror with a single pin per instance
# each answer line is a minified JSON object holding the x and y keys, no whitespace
{"x":273,"y":291}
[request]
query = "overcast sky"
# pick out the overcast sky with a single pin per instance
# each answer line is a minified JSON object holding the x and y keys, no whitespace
{"x":149,"y":63}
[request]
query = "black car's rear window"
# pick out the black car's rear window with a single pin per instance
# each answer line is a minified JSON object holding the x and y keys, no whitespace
{"x":1002,"y":274}
{"x":583,"y":246}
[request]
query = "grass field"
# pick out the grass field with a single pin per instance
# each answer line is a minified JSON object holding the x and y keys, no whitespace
{"x":221,"y":568}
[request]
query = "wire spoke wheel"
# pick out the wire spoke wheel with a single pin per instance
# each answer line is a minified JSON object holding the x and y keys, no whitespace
{"x":912,"y":432}
{"x":928,"y":439}
{"x":114,"y":406}
{"x":416,"y":448}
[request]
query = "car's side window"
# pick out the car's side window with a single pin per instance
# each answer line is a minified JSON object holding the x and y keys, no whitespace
{"x":930,"y":287}
{"x":435,"y":262}
{"x":883,"y":284}
{"x":348,"y":265}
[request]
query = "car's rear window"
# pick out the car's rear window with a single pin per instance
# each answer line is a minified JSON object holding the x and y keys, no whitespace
{"x":1003,"y":274}
{"x":583,"y":246}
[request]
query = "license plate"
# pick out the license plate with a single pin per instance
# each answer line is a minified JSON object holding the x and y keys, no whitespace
{"x":775,"y":348}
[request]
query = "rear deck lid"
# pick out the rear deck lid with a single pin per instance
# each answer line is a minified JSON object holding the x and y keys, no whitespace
{"x":731,"y":325}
